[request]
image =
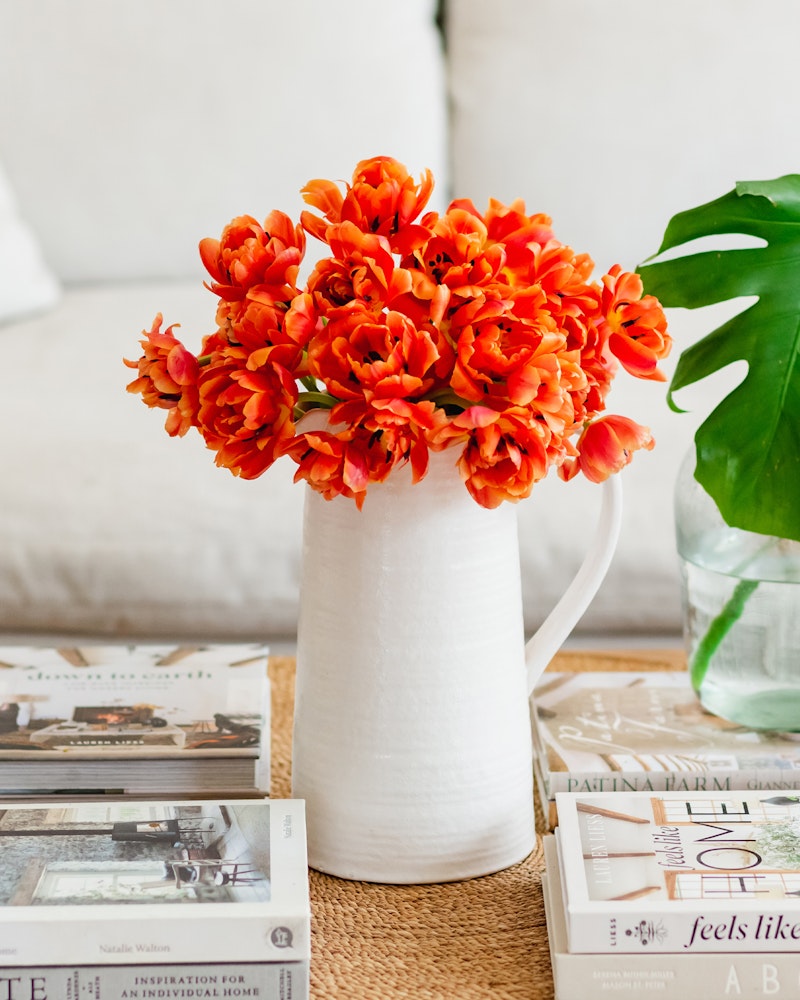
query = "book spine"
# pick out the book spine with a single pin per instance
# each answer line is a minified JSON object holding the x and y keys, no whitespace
{"x":749,"y":779}
{"x":715,"y":930}
{"x":682,"y":977}
{"x":266,"y":980}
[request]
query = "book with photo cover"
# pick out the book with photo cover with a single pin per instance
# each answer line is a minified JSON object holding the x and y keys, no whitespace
{"x":99,"y":717}
{"x":617,"y":731}
{"x":118,"y":883}
{"x":686,"y":975}
{"x":676,"y":872}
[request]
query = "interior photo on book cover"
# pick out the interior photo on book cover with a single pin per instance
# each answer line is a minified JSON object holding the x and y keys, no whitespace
{"x":128,"y":852}
{"x":116,"y":881}
{"x":675,"y":871}
{"x":618,"y":731}
{"x":674,"y":975}
{"x":690,"y":847}
{"x":618,"y":723}
{"x":145,"y":700}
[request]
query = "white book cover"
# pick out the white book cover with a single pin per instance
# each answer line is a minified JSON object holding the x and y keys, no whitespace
{"x":675,"y":872}
{"x":123,"y":882}
{"x":688,"y":975}
{"x":97,"y":716}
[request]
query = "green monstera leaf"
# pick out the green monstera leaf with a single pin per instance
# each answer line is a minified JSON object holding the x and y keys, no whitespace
{"x":748,"y":449}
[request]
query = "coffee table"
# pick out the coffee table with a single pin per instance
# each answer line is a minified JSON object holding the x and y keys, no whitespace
{"x":474,"y":940}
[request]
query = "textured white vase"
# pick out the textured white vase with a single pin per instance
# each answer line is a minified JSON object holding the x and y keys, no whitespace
{"x":412,"y":741}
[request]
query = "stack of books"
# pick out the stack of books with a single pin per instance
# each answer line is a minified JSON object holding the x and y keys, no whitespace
{"x":623,"y":731}
{"x":152,"y":899}
{"x":141,"y":855}
{"x":674,"y":894}
{"x":145,"y":719}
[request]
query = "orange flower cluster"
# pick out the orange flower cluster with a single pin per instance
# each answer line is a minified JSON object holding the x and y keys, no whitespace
{"x":419,"y":332}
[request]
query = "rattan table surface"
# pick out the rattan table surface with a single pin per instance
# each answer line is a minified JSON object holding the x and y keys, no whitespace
{"x":483,"y":938}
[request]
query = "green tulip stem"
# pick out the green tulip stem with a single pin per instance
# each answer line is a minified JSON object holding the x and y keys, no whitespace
{"x":718,"y":629}
{"x":312,"y":400}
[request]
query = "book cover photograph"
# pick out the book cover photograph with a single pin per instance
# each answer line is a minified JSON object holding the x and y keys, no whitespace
{"x":96,"y":716}
{"x":686,"y":975}
{"x":646,"y":731}
{"x":122,"y":882}
{"x":677,"y":872}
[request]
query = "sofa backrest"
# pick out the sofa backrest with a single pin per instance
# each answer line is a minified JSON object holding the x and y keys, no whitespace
{"x":611,"y":117}
{"x":204,"y":111}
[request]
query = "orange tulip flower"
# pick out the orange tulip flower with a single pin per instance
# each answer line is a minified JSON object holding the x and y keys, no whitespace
{"x":167,"y":377}
{"x":606,"y":446}
{"x":383,"y":198}
{"x":478,"y":331}
{"x":638,"y":326}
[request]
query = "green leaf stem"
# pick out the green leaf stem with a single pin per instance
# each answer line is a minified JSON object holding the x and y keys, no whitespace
{"x":313,"y":400}
{"x":718,"y":629}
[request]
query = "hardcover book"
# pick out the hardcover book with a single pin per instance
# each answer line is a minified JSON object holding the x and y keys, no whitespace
{"x":620,"y":731}
{"x":153,"y":883}
{"x":678,"y":872}
{"x":687,"y":975}
{"x":98,"y":718}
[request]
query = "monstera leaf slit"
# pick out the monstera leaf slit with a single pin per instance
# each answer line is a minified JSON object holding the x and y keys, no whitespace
{"x":748,"y":448}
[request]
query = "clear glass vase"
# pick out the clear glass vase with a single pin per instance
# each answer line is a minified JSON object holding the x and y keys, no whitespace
{"x":741,"y":612}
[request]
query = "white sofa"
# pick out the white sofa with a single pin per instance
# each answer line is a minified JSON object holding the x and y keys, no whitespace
{"x":130,"y":131}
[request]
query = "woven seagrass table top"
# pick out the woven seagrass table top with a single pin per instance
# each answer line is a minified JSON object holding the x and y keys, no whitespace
{"x":483,"y":938}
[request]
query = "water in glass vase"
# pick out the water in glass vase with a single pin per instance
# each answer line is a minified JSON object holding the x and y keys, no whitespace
{"x":741,"y":595}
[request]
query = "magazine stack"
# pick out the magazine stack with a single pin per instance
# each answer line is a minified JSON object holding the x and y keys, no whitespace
{"x":685,"y":895}
{"x":623,"y":731}
{"x":135,"y":720}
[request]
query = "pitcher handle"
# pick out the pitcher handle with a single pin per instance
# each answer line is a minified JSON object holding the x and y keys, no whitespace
{"x":542,"y":647}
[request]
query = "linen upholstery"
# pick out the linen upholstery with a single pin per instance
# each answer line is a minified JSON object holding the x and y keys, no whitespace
{"x":611,"y":117}
{"x":129,"y":132}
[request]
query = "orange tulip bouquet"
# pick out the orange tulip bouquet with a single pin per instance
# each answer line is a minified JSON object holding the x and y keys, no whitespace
{"x":417,"y":332}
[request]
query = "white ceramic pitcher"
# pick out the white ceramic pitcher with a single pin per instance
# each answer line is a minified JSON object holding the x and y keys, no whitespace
{"x":412,"y":738}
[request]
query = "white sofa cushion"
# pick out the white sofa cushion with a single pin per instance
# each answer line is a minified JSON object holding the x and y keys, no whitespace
{"x":612,"y":117}
{"x":137,"y":129}
{"x":110,"y":527}
{"x":107,"y":525}
{"x":27,"y":284}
